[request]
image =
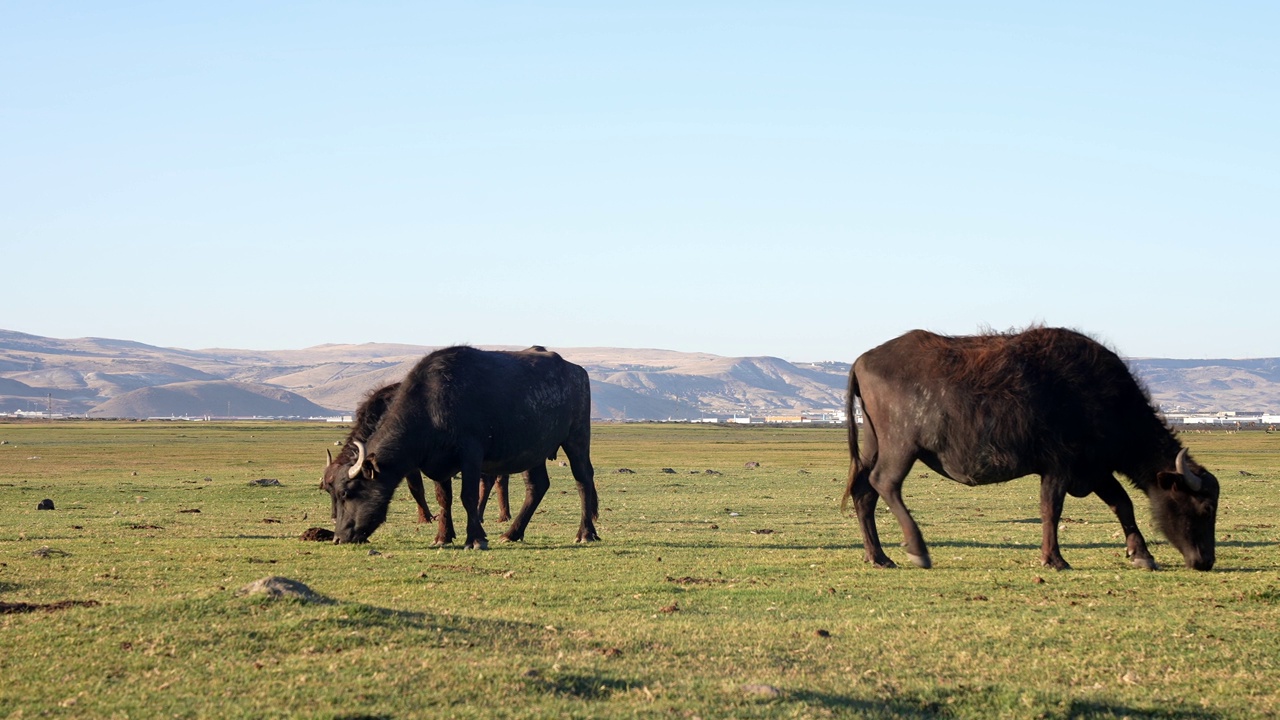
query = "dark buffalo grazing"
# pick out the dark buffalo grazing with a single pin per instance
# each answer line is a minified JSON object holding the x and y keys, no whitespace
{"x":368,"y":414}
{"x":473,"y":411}
{"x":991,"y":408}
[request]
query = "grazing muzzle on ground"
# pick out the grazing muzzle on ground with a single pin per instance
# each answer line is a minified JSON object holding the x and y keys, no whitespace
{"x":1184,"y":505}
{"x":360,"y":504}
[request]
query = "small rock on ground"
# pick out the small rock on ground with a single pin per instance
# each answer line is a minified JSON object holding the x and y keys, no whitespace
{"x":761,"y":690}
{"x":282,"y":587}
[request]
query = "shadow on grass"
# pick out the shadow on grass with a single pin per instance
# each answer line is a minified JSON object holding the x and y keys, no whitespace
{"x":995,"y":702}
{"x":1247,"y":543}
{"x":977,"y":545}
{"x":455,"y":628}
{"x":1154,"y":544}
{"x":583,"y":687}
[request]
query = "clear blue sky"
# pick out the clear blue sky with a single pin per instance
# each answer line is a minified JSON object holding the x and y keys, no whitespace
{"x":797,"y":179}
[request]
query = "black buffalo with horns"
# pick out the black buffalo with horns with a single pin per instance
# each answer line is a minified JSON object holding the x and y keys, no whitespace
{"x":991,"y":408}
{"x":461,"y":409}
{"x":368,"y":414}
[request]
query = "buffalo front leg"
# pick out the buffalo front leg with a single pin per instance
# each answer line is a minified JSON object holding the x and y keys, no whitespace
{"x":1052,"y":494}
{"x":536,"y":482}
{"x":1111,"y":492}
{"x":476,"y":538}
{"x":414,"y":479}
{"x":444,"y":518}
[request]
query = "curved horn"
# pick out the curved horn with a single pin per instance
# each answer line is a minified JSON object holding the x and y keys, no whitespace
{"x":1180,"y":464}
{"x":355,"y":469}
{"x":330,"y":456}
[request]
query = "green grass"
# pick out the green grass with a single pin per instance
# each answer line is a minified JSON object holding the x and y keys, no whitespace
{"x":678,"y":613}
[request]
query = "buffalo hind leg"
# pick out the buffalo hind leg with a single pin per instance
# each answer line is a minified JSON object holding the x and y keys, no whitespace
{"x":1112,"y":493}
{"x":491,"y":485}
{"x":488,"y":485}
{"x":886,"y":477}
{"x":536,"y":482}
{"x":865,"y":498}
{"x":1052,"y":494}
{"x":414,"y":479}
{"x":504,"y":507}
{"x":577,"y":450}
{"x":444,"y":518}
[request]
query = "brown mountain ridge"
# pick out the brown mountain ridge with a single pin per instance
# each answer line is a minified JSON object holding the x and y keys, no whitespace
{"x":118,"y":378}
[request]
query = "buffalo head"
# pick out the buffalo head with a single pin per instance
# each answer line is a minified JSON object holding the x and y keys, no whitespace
{"x":1184,"y":505}
{"x":360,"y":499}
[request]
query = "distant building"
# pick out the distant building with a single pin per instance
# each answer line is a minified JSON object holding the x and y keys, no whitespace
{"x":1229,"y":418}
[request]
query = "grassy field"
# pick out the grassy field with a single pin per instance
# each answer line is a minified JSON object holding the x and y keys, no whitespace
{"x":719,"y":590}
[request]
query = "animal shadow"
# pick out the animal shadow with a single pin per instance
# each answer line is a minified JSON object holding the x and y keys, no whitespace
{"x":946,"y":704}
{"x":585,"y":687}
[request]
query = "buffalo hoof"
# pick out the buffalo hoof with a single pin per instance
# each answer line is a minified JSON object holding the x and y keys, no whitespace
{"x":480,"y":544}
{"x":884,"y":563}
{"x":587,"y":537}
{"x":1144,"y":563}
{"x":1058,"y":564}
{"x":920,"y":561}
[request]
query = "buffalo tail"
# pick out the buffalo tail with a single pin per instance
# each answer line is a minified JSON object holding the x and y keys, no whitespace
{"x":855,"y":457}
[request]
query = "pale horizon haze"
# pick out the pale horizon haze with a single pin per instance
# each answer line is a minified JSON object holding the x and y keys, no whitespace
{"x":804,"y":180}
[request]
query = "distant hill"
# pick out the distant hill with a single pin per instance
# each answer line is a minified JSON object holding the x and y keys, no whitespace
{"x":218,"y":398}
{"x":1212,"y":385}
{"x":118,"y":378}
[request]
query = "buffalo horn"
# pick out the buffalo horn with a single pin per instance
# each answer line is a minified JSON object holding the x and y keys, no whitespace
{"x":355,"y":469}
{"x":330,"y":456}
{"x":1180,"y":464}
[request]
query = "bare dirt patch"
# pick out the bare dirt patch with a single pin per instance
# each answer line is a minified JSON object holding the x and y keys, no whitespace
{"x":317,"y":534}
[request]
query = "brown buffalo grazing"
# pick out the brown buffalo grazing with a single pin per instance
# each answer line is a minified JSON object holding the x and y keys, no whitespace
{"x":991,"y":408}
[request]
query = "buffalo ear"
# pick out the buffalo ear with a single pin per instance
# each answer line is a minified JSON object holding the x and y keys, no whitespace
{"x":1168,"y":481}
{"x":368,"y":471}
